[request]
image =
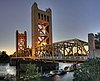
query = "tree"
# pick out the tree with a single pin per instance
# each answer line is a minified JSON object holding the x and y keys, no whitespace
{"x":97,"y":40}
{"x":89,"y":71}
{"x":4,"y":58}
{"x":31,"y":72}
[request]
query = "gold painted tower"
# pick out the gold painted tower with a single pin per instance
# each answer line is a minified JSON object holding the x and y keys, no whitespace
{"x":21,"y":42}
{"x":41,"y":27}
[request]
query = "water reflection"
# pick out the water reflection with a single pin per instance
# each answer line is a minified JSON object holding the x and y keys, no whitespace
{"x":7,"y":69}
{"x":66,"y":77}
{"x":56,"y":78}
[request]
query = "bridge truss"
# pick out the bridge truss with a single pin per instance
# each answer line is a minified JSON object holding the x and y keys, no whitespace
{"x":74,"y":47}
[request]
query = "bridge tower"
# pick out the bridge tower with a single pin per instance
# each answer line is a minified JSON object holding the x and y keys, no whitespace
{"x":21,"y":42}
{"x":41,"y":27}
{"x":91,"y":45}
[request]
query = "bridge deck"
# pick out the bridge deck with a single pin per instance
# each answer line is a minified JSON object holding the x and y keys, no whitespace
{"x":58,"y":59}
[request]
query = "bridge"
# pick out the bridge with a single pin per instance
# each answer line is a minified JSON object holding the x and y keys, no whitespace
{"x":42,"y":46}
{"x":74,"y":50}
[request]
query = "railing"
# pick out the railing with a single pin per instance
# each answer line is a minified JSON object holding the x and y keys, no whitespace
{"x":71,"y":58}
{"x":56,"y":58}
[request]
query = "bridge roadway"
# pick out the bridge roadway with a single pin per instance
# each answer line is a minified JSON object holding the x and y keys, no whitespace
{"x":55,"y":58}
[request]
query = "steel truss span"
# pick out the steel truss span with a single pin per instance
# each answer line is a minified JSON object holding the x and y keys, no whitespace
{"x":74,"y":47}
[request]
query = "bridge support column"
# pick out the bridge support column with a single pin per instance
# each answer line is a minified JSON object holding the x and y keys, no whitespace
{"x":18,"y":70}
{"x":91,"y":45}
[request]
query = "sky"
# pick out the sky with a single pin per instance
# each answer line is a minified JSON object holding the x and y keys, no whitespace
{"x":70,"y":19}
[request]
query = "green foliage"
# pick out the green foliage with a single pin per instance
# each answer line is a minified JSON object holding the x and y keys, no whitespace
{"x":30,"y":72}
{"x":90,"y":71}
{"x":97,"y":40}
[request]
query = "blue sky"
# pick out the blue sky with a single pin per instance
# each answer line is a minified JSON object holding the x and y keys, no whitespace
{"x":70,"y":19}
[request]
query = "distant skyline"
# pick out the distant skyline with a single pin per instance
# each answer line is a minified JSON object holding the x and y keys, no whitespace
{"x":70,"y":19}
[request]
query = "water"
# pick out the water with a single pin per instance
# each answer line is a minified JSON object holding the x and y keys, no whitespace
{"x":66,"y":77}
{"x":7,"y":69}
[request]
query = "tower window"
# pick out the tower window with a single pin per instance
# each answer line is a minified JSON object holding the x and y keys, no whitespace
{"x":45,"y":17}
{"x":42,"y":16}
{"x":48,"y":18}
{"x":38,"y":15}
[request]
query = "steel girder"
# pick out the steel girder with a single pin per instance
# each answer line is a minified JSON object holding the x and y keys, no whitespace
{"x":74,"y":47}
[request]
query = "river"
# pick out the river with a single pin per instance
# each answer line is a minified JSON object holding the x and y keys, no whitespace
{"x":7,"y":69}
{"x":66,"y":77}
